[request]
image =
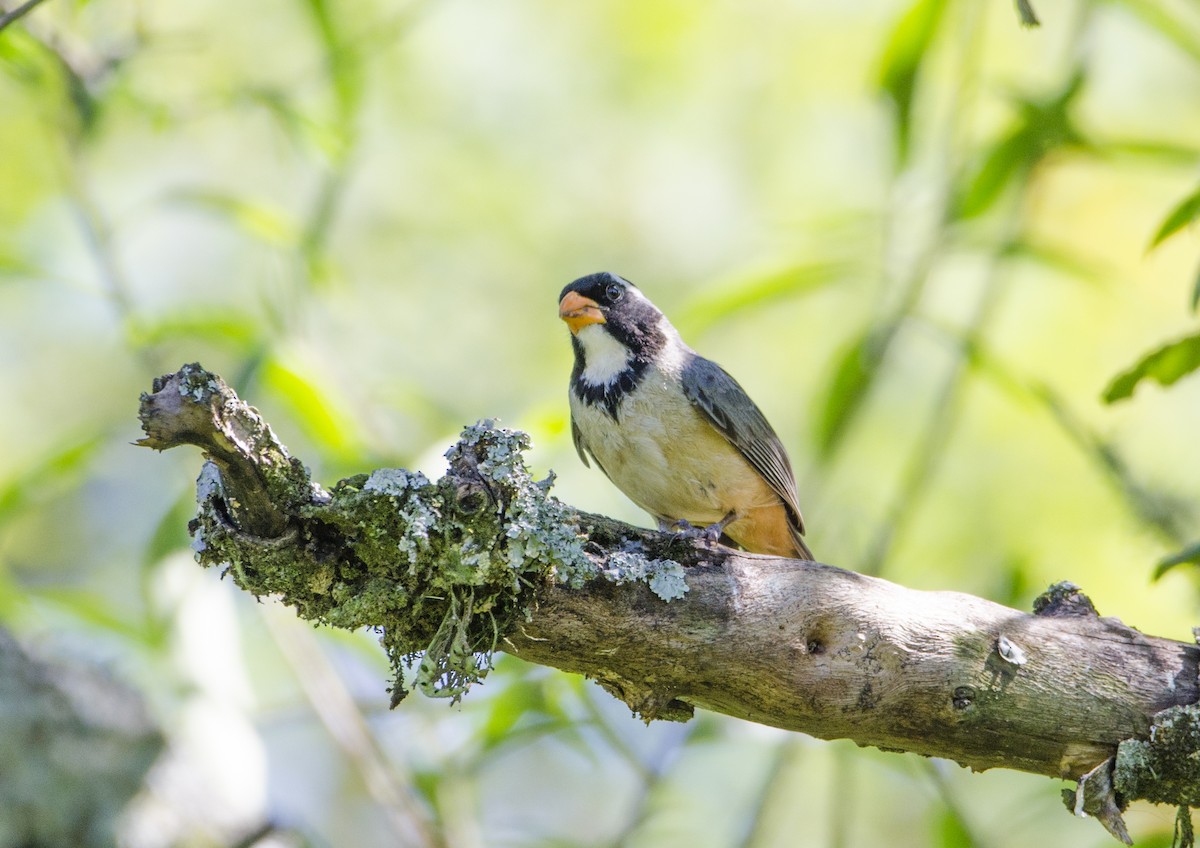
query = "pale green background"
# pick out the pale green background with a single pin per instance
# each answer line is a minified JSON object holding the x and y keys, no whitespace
{"x":738,"y":161}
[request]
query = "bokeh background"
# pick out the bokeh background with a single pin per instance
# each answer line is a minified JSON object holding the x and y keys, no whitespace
{"x":918,"y":233}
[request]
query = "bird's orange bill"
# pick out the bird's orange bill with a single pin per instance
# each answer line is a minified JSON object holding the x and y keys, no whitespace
{"x":579,"y":311}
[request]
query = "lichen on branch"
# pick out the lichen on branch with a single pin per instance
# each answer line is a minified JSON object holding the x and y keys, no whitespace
{"x":1165,"y":767}
{"x":485,"y":558}
{"x":441,"y":571}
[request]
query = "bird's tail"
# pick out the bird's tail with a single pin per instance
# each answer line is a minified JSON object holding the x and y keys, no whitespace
{"x":802,"y":549}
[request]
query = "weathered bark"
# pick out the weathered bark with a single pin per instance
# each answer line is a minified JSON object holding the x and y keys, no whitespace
{"x":836,"y":654}
{"x":484,"y":559}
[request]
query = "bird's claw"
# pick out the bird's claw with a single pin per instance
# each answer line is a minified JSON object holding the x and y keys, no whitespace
{"x":710,"y":535}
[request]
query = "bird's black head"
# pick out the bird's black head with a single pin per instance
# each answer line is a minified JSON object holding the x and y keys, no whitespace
{"x":619,"y":306}
{"x":616,"y":334}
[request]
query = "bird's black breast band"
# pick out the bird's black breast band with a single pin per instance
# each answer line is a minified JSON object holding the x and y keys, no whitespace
{"x":609,"y":395}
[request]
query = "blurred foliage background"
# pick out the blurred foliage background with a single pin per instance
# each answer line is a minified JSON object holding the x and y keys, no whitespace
{"x":919,"y":233}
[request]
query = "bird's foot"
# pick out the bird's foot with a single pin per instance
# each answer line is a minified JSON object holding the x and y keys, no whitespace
{"x":710,"y":535}
{"x":685,"y":528}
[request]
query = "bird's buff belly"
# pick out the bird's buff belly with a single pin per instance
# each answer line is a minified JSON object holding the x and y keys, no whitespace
{"x":686,"y":470}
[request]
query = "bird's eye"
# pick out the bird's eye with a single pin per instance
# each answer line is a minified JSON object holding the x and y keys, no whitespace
{"x":614,"y":292}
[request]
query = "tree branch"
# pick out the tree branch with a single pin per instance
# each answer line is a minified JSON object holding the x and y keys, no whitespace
{"x":484,"y":559}
{"x":17,"y":13}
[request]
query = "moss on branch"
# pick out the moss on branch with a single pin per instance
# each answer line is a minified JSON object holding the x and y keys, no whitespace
{"x":448,"y":572}
{"x":442,"y":571}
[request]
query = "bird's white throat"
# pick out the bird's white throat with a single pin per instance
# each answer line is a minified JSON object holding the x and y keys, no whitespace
{"x":604,"y":357}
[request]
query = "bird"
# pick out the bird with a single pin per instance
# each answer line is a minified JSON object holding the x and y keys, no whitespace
{"x":673,"y":430}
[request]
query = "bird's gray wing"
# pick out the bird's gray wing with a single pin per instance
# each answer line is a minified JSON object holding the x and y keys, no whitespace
{"x":727,"y":406}
{"x":580,"y":447}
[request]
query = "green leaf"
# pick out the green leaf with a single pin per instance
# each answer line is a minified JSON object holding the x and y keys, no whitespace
{"x":300,"y":128}
{"x":86,"y":105}
{"x":273,"y":226}
{"x":235,"y":332}
{"x":14,"y":596}
{"x":170,"y":534}
{"x":1158,"y":152}
{"x":323,"y":420}
{"x":524,"y":698}
{"x":24,"y":58}
{"x":1196,"y":292}
{"x":1000,"y":166}
{"x":37,"y":481}
{"x":344,"y":68}
{"x":16,"y":267}
{"x":1062,"y":261}
{"x":95,"y":609}
{"x":707,"y":309}
{"x":900,"y":66}
{"x":851,"y":380}
{"x":41,"y":64}
{"x":1190,"y":554}
{"x":1165,"y":365}
{"x":1025,"y":12}
{"x":1186,"y":212}
{"x":1044,"y":125}
{"x":952,"y":831}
